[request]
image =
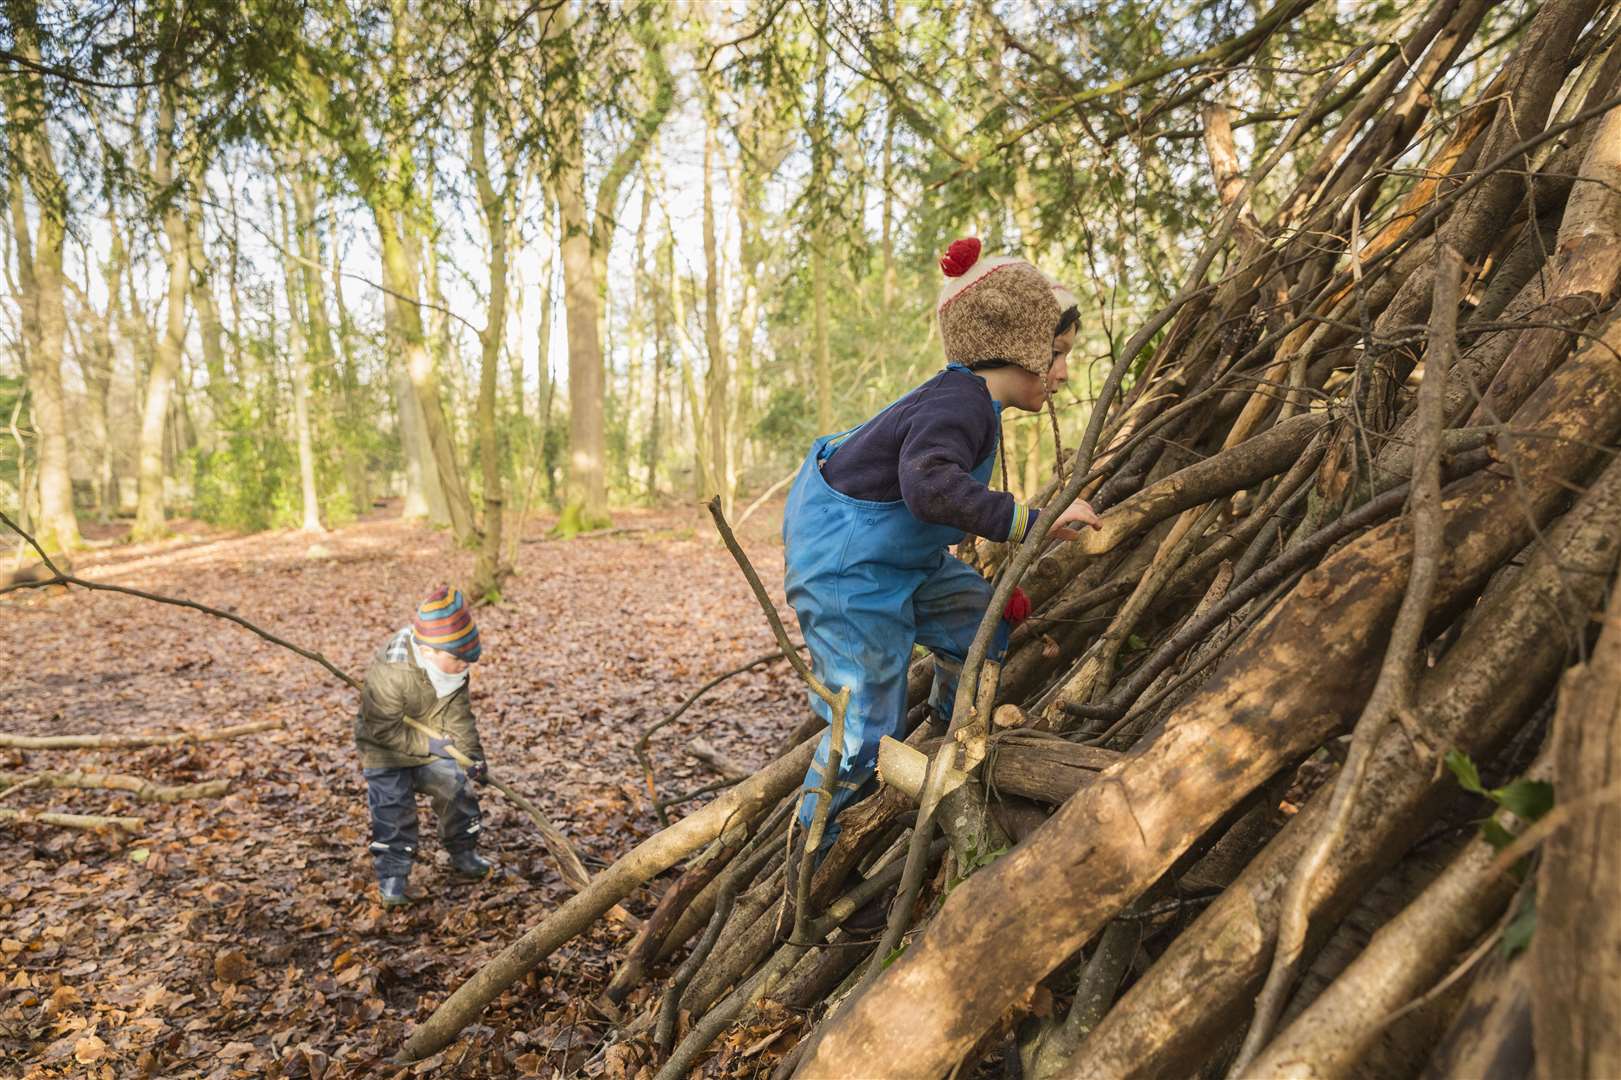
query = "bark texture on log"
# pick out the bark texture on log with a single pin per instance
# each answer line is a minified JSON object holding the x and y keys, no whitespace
{"x":1490,"y":1038}
{"x":90,"y":742}
{"x":143,"y":790}
{"x":1576,"y":950}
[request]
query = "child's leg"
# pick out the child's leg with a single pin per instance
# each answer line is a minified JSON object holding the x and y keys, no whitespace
{"x":392,"y":801}
{"x":454,"y":803}
{"x":949,"y":607}
{"x":866,"y":648}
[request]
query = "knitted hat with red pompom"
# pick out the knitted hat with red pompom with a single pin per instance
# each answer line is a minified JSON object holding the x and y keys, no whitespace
{"x":997,"y":307}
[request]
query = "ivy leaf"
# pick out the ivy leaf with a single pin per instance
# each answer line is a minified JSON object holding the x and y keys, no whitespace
{"x":1517,"y":935}
{"x":1464,"y":769}
{"x":1528,"y":800}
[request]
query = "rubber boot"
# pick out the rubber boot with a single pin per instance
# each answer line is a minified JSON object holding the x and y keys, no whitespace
{"x":469,"y":865}
{"x":391,"y":892}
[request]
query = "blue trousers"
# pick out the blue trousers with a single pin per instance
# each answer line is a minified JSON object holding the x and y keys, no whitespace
{"x":868,"y":648}
{"x":391,"y":796}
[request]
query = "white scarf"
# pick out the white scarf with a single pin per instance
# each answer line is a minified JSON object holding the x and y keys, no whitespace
{"x":444,"y":684}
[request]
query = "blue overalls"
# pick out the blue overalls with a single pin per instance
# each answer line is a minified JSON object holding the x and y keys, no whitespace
{"x":868,"y":580}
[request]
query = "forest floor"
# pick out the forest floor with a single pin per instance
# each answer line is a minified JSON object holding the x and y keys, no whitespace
{"x":241,"y":936}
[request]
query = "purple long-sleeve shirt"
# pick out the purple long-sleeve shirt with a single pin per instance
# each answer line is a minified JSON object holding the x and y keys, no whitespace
{"x":923,"y":450}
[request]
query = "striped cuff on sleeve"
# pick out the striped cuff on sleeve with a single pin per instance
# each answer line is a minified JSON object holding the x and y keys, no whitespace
{"x":1024,"y":519}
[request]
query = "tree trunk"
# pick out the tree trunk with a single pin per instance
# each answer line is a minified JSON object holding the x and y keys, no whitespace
{"x":820,"y":240}
{"x":44,"y":316}
{"x":149,"y":509}
{"x":209,"y":327}
{"x":722,"y":479}
{"x":587,"y":484}
{"x":321,"y":334}
{"x":299,"y":346}
{"x":494,"y":205}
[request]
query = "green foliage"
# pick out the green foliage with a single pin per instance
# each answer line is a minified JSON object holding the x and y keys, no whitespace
{"x":1463,"y":768}
{"x":13,"y":391}
{"x":575,"y":519}
{"x":789,"y":420}
{"x":1517,"y":935}
{"x":1526,"y":799}
{"x":250,"y":483}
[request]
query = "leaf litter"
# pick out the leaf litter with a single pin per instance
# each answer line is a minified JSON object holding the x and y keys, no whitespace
{"x":240,"y":936}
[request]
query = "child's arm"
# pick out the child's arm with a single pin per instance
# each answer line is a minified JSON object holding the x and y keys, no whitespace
{"x":383,"y":700}
{"x":939,"y":450}
{"x":459,"y":724}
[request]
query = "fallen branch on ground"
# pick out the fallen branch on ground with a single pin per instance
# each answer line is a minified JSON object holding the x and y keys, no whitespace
{"x":93,"y":742}
{"x":143,"y":790}
{"x":91,"y":822}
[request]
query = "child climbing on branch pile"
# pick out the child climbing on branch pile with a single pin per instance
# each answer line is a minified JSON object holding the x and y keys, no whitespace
{"x":874,"y":509}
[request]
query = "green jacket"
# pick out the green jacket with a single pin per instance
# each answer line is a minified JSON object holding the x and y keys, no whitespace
{"x":396,"y":687}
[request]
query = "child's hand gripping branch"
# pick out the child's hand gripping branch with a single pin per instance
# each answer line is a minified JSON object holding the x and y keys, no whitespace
{"x":1079,"y":512}
{"x":874,"y":510}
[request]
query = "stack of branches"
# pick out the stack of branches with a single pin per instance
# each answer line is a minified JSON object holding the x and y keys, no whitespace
{"x":1360,"y":505}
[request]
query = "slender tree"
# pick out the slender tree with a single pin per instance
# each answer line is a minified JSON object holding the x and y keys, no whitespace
{"x":587,"y":226}
{"x":41,"y":276}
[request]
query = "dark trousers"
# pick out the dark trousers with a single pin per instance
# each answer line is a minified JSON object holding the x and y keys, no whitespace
{"x":391,"y":795}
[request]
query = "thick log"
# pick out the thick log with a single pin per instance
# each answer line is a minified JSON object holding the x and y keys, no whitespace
{"x":1576,"y":951}
{"x":1586,"y":266}
{"x":648,"y":859}
{"x":1502,"y":665}
{"x":1530,"y":83}
{"x":1045,"y":769}
{"x":1282,"y":690}
{"x":143,"y":790}
{"x":92,"y":742}
{"x":1250,"y":462}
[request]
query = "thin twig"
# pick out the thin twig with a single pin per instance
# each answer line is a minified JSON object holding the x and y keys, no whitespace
{"x":59,"y":578}
{"x":837,"y":702}
{"x":32,"y":781}
{"x":645,"y":758}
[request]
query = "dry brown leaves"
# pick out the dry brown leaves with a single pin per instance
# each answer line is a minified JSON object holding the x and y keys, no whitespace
{"x":239,"y":937}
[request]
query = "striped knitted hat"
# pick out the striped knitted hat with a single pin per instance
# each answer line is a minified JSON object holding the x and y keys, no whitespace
{"x":443,"y":621}
{"x":996,"y":308}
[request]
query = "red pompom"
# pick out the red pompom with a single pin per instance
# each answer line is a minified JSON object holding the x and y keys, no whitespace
{"x":1018,"y":607}
{"x":961,"y":255}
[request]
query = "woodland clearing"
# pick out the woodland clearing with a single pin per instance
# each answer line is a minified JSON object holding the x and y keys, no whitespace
{"x":233,"y":933}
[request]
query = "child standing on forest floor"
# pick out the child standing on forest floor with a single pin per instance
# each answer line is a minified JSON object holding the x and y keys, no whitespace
{"x":874,"y":509}
{"x":421,"y":673}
